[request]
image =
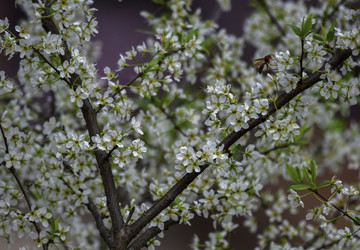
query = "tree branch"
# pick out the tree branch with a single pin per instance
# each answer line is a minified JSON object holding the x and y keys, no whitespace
{"x":345,"y":213}
{"x":182,"y":184}
{"x":301,"y":59}
{"x":271,"y":16}
{"x":51,"y":65}
{"x":163,"y":202}
{"x":150,"y":233}
{"x":22,"y":187}
{"x":99,"y":223}
{"x":171,"y":118}
{"x":93,"y":129}
{"x":283,"y":99}
{"x":105,"y":169}
{"x":118,"y":91}
{"x":104,"y":232}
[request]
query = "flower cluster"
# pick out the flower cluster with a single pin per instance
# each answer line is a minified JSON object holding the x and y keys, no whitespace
{"x":324,"y":214}
{"x":190,"y":161}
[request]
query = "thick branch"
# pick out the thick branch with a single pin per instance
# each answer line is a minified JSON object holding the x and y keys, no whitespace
{"x":150,"y":233}
{"x":163,"y":202}
{"x":286,"y":97}
{"x":93,"y":129}
{"x":105,"y":169}
{"x":177,"y":189}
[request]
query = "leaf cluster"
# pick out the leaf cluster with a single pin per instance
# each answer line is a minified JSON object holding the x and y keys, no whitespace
{"x":299,"y":175}
{"x":327,"y":36}
{"x":305,"y":29}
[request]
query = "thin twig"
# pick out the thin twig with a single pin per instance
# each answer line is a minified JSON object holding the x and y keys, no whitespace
{"x":52,"y":66}
{"x":118,"y":91}
{"x":110,"y":152}
{"x":14,"y":173}
{"x":129,"y":216}
{"x":172,"y":121}
{"x":301,"y":60}
{"x":216,"y":13}
{"x":334,"y":206}
{"x":4,"y":139}
{"x":48,"y":4}
{"x":344,"y":213}
{"x":104,"y":232}
{"x":327,"y":246}
{"x":22,"y":187}
{"x":271,"y":16}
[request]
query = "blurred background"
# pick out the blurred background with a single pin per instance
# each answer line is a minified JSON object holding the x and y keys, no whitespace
{"x":121,"y":26}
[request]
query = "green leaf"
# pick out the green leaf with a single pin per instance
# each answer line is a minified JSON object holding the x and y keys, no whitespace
{"x":337,"y":125}
{"x":159,"y":1}
{"x":331,"y":34}
{"x":156,"y":101}
{"x":305,"y":34}
{"x":306,"y":26}
{"x":206,"y":44}
{"x":307,"y":175}
{"x":193,"y":33}
{"x":313,"y":171}
{"x":303,"y":130}
{"x":323,"y":31}
{"x":154,"y":62}
{"x":330,"y":4}
{"x":53,"y":223}
{"x":296,"y":29}
{"x":258,"y":6}
{"x":181,"y":36}
{"x":235,"y":149}
{"x":325,"y":182}
{"x":293,"y":173}
{"x":357,"y":223}
{"x":167,"y":100}
{"x":318,"y":37}
{"x":333,"y":24}
{"x":299,"y":172}
{"x":299,"y":186}
{"x":300,"y":142}
{"x":175,"y":202}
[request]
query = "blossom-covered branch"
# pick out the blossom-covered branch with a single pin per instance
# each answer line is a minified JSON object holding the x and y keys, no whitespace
{"x":196,"y":130}
{"x":90,"y":118}
{"x":21,"y":185}
{"x":282,"y":100}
